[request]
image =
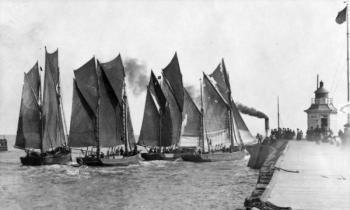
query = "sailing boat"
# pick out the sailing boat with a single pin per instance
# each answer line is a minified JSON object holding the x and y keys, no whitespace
{"x":172,"y":101}
{"x":157,"y":124}
{"x":40,"y":123}
{"x":219,"y":126}
{"x":100,"y":115}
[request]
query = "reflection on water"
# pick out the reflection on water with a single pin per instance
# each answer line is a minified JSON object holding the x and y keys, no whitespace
{"x":150,"y":185}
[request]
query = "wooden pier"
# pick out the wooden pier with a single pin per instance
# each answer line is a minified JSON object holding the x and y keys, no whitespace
{"x":310,"y":176}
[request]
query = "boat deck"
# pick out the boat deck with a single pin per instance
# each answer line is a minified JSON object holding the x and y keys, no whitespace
{"x":311,"y":176}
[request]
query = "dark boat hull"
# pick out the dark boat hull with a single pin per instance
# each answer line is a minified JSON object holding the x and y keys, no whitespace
{"x":47,"y":159}
{"x":160,"y":156}
{"x":123,"y":161}
{"x":213,"y":157}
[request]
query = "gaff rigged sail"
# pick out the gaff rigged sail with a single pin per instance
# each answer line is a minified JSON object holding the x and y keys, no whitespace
{"x":82,"y":131}
{"x":53,"y":133}
{"x":29,"y":122}
{"x":191,"y":123}
{"x":216,"y":115}
{"x":173,"y":74}
{"x":222,"y":82}
{"x":82,"y":124}
{"x":115,"y":75}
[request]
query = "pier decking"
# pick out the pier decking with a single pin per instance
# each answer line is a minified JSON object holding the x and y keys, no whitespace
{"x":311,"y":176}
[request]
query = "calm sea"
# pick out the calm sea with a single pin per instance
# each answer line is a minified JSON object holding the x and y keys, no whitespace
{"x":150,"y":185}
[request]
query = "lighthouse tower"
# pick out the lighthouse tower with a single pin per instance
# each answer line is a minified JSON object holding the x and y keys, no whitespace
{"x":322,"y":113}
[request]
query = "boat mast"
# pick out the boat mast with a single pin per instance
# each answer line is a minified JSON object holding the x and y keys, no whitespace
{"x":231,"y":123}
{"x":278,"y":112}
{"x":347,"y":61}
{"x":97,"y":132}
{"x":60,"y":105}
{"x":202,"y":119}
{"x":347,"y":51}
{"x":125,"y":128}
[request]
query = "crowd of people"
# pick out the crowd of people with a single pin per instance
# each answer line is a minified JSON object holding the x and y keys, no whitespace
{"x":284,"y":133}
{"x":319,"y":134}
{"x":280,"y":133}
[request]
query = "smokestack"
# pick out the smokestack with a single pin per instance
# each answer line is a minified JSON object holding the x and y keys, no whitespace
{"x":317,"y":82}
{"x":267,"y":126}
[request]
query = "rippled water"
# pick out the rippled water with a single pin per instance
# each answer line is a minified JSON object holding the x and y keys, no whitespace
{"x":150,"y":185}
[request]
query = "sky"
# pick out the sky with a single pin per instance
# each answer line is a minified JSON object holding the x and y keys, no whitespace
{"x":271,"y":48}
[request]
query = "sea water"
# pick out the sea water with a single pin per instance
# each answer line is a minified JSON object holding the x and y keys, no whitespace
{"x":150,"y":185}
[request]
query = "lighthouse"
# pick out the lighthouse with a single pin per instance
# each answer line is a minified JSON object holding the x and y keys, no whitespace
{"x":322,"y":113}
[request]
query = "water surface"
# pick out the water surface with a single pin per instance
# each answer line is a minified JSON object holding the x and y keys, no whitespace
{"x":150,"y":185}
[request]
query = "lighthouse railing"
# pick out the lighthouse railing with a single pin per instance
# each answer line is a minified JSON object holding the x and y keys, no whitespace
{"x":322,"y":101}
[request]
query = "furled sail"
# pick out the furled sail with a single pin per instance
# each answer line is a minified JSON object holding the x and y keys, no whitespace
{"x":216,"y":115}
{"x":173,"y":74}
{"x":110,"y":119}
{"x":191,"y":123}
{"x":82,"y":126}
{"x":53,"y":133}
{"x":29,"y":122}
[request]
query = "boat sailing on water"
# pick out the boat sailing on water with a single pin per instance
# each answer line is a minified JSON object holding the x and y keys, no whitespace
{"x":100,"y":119}
{"x":168,"y":104}
{"x":41,"y":128}
{"x":221,"y":121}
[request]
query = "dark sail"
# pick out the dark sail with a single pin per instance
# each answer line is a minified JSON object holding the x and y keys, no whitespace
{"x":167,"y":128}
{"x":114,"y":71}
{"x":221,"y":82}
{"x":82,"y":126}
{"x":29,"y":122}
{"x":175,"y":114}
{"x":156,"y":90}
{"x":173,"y":74}
{"x":86,"y":79}
{"x":191,"y":122}
{"x":110,"y":120}
{"x":156,"y":125}
{"x":216,"y":114}
{"x":131,"y":135}
{"x":150,"y":129}
{"x":53,"y":133}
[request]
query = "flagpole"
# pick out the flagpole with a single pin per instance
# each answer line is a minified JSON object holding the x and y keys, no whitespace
{"x":347,"y":50}
{"x":347,"y":125}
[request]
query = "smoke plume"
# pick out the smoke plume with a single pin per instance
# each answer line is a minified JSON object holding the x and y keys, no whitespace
{"x":136,"y":75}
{"x":251,"y":111}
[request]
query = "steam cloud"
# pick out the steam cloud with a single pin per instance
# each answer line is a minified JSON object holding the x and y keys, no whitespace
{"x":136,"y":75}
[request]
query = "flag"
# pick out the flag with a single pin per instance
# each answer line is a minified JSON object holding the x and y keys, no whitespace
{"x":341,"y":17}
